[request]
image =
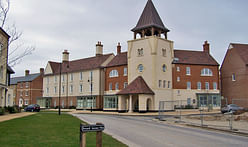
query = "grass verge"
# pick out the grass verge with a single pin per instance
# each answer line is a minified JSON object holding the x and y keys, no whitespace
{"x":47,"y":130}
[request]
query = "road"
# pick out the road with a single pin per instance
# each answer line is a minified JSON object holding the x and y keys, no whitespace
{"x":144,"y":132}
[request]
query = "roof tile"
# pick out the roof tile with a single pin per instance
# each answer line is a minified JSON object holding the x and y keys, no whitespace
{"x":193,"y":57}
{"x":137,"y":86}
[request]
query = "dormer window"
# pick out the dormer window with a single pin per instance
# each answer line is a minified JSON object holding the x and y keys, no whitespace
{"x":164,"y":52}
{"x":113,"y":73}
{"x":140,"y":52}
{"x":206,"y":72}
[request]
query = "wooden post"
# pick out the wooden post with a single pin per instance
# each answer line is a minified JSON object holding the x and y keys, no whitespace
{"x":99,"y":137}
{"x":83,"y":140}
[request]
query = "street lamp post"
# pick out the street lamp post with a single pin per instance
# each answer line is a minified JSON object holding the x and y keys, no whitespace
{"x":59,"y":86}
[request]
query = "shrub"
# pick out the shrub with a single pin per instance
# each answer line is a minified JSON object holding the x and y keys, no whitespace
{"x":188,"y":107}
{"x":2,"y":111}
{"x":17,"y":109}
{"x":72,"y":107}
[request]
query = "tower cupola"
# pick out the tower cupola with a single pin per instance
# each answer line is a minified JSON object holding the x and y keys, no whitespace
{"x":150,"y":23}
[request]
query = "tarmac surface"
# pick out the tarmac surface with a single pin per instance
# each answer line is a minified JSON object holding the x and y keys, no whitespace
{"x":143,"y":131}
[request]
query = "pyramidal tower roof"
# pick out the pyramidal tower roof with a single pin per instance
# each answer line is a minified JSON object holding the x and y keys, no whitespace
{"x":150,"y":18}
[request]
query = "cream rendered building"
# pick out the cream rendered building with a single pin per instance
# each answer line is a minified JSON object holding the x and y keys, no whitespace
{"x":149,"y":58}
{"x":5,"y":71}
{"x":82,"y":81}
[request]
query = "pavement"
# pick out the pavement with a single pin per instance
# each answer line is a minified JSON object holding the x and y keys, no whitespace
{"x":14,"y":115}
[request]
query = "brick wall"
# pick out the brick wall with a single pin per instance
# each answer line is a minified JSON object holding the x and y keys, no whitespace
{"x":120,"y":79}
{"x":194,"y":77}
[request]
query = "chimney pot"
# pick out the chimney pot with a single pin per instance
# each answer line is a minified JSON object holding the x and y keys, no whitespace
{"x":99,"y":49}
{"x":118,"y":48}
{"x":206,"y":47}
{"x":26,"y":72}
{"x":65,"y":56}
{"x":42,"y":71}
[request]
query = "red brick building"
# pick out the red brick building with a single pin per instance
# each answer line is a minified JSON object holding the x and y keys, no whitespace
{"x":28,"y":88}
{"x":234,"y":75}
{"x":196,"y":77}
{"x":115,"y":79}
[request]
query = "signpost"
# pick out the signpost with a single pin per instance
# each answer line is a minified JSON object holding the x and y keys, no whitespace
{"x":98,"y":128}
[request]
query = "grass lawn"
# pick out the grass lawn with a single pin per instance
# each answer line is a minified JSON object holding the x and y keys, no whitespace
{"x":47,"y":130}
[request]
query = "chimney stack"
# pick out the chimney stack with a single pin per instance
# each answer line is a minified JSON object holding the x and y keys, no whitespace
{"x":26,"y":72}
{"x":65,"y":56}
{"x":206,"y":47}
{"x":41,"y":71}
{"x":118,"y":48}
{"x":99,"y":48}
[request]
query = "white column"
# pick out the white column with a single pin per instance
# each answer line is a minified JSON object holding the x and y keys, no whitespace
{"x":130,"y":103}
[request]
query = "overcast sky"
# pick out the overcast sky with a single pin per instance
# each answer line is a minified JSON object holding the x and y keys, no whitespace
{"x":54,"y":25}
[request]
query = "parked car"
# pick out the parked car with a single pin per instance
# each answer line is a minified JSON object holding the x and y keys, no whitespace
{"x":32,"y":108}
{"x":231,"y":108}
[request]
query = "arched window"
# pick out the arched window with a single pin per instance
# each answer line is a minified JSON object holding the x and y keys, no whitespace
{"x":113,"y":73}
{"x":140,"y":68}
{"x":164,"y":68}
{"x":206,"y":72}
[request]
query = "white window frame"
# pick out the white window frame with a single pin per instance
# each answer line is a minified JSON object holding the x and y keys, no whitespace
{"x":117,"y":86}
{"x":207,"y":86}
{"x":199,"y":85}
{"x":125,"y":84}
{"x":110,"y":86}
{"x":188,"y":73}
{"x":25,"y":102}
{"x":215,"y":86}
{"x":188,"y":85}
{"x":125,"y":71}
{"x":178,"y":79}
{"x":233,"y":77}
{"x":178,"y":68}
{"x":26,"y":93}
{"x":206,"y":72}
{"x":113,"y":73}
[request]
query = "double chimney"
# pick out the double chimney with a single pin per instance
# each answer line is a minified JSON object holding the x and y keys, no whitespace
{"x":27,"y":72}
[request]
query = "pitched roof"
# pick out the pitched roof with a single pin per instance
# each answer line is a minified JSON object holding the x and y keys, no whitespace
{"x":119,"y":59}
{"x":137,"y":86}
{"x":27,"y":78}
{"x":79,"y":65}
{"x":242,"y":50}
{"x":10,"y":70}
{"x":193,"y":57}
{"x":2,"y":30}
{"x":150,"y":18}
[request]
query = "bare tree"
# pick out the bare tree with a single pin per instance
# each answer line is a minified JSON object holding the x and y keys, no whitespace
{"x":15,"y":35}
